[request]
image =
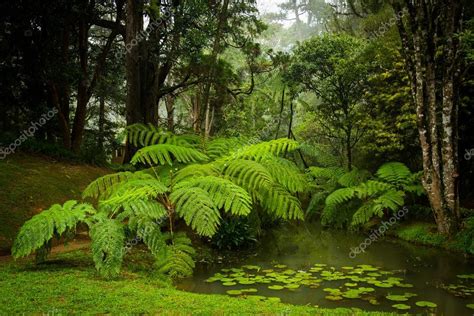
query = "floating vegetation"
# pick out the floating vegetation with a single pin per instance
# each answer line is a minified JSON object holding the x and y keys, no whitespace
{"x":426,"y":304}
{"x":348,"y":283}
{"x":401,"y":306}
{"x":471,"y":306}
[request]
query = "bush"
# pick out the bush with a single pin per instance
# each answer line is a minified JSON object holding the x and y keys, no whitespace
{"x":421,"y":233}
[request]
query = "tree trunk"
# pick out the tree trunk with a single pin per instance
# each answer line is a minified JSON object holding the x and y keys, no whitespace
{"x":170,"y":112}
{"x":216,"y":49}
{"x":431,"y":50}
{"x":100,"y":139}
{"x":132,"y":62}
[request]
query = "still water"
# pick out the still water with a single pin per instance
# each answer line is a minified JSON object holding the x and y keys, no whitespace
{"x":425,"y":272}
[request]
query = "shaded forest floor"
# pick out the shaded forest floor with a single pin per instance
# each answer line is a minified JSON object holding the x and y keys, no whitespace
{"x":31,"y":183}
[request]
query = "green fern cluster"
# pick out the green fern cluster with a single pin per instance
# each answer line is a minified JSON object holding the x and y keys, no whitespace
{"x":185,"y":178}
{"x":370,"y":196}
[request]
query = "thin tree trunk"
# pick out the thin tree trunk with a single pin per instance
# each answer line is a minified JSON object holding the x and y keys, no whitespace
{"x":100,"y":139}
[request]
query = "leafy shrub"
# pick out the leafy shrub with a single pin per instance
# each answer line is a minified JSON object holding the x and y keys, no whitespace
{"x":179,"y":179}
{"x":464,"y":240}
{"x":234,"y":233}
{"x":366,"y":195}
{"x":421,"y":233}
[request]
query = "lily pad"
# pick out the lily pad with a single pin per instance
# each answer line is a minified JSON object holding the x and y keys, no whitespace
{"x":280,"y":266}
{"x":350,"y":284}
{"x":229,"y":283}
{"x":401,"y":306}
{"x":333,"y":297}
{"x":274,"y":299}
{"x":425,"y":304}
{"x":276,"y":287}
{"x":471,"y":306}
{"x":292,"y":286}
{"x":397,"y":298}
{"x":234,"y":292}
{"x":252,"y":290}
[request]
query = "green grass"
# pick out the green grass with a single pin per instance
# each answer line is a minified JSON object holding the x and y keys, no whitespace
{"x":69,"y":284}
{"x":29,"y":184}
{"x":421,"y":233}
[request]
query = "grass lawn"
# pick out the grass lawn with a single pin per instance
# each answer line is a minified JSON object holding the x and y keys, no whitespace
{"x":29,"y":184}
{"x":68,"y":284}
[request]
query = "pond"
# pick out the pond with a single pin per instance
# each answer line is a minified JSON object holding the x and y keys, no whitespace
{"x":309,"y":265}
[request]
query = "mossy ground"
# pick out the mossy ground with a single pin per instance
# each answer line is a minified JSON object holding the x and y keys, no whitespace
{"x":29,"y":184}
{"x":68,"y":284}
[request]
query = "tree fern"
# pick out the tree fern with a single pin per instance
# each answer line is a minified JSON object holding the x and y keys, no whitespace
{"x":259,"y":151}
{"x":220,"y":147}
{"x":197,"y":209}
{"x":137,"y":189}
{"x":146,"y":135}
{"x":248,"y":174}
{"x":167,"y":154}
{"x":42,"y":227}
{"x":176,"y":259}
{"x":108,"y":240}
{"x":224,"y":193}
{"x":281,"y":203}
{"x":209,"y":169}
{"x":104,"y":185}
{"x":394,"y":172}
{"x":285,"y":173}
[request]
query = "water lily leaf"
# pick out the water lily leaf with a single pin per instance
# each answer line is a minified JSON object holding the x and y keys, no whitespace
{"x":246,"y":282}
{"x":471,"y":306}
{"x":234,"y":292}
{"x":292,"y":286}
{"x":351,"y":294}
{"x":425,"y":304}
{"x":229,"y":283}
{"x":274,"y":299}
{"x":333,"y":297}
{"x":397,"y":298}
{"x":466,"y":276}
{"x":401,"y":306}
{"x":276,"y":287}
{"x":213,"y":279}
{"x":374,"y":301}
{"x":280,"y":266}
{"x":406,"y":285}
{"x":251,"y":290}
{"x":251,"y":267}
{"x":350,"y":284}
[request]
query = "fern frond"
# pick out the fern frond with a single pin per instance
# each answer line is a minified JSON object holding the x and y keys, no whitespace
{"x":149,"y":209}
{"x":167,"y":154}
{"x":148,"y":134}
{"x":340,"y":196}
{"x":259,"y":151}
{"x":286,"y":173}
{"x":248,"y":174}
{"x":224,"y":193}
{"x":41,"y":228}
{"x":107,"y":246}
{"x":197,"y":170}
{"x":394,"y":172}
{"x":281,"y":203}
{"x":176,"y":259}
{"x":197,"y":209}
{"x":354,"y":177}
{"x":133,"y":190}
{"x":390,"y":200}
{"x":103,"y":186}
{"x":220,"y":147}
{"x":372,"y":188}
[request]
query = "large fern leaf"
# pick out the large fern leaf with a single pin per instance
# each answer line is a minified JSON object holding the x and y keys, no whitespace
{"x":107,"y":246}
{"x":285,"y":173}
{"x":259,"y":151}
{"x":167,"y":154}
{"x":394,"y":172}
{"x":340,"y":196}
{"x":197,"y":209}
{"x":281,"y":203}
{"x":42,"y":227}
{"x":224,"y":193}
{"x":248,"y":174}
{"x":176,"y":259}
{"x":133,"y":190}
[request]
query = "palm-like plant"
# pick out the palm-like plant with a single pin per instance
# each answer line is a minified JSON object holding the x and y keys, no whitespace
{"x":181,"y":177}
{"x":374,"y":196}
